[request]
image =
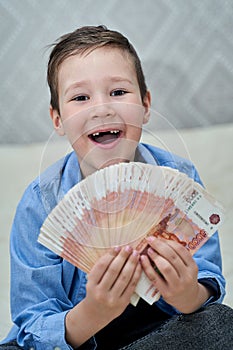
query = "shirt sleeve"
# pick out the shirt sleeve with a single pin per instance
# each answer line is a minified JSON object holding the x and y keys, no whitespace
{"x":39,"y":298}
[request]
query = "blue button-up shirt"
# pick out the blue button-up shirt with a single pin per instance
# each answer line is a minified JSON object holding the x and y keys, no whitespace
{"x":44,"y":287}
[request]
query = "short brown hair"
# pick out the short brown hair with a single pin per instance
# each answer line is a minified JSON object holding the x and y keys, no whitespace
{"x":84,"y":39}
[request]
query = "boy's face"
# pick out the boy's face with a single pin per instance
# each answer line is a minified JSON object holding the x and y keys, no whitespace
{"x":101,"y":110}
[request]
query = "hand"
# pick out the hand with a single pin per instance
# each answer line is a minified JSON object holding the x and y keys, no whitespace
{"x":177,"y":280}
{"x":112,"y":282}
{"x":110,"y":285}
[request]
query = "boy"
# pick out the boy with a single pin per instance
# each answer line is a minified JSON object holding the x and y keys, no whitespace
{"x":99,"y":99}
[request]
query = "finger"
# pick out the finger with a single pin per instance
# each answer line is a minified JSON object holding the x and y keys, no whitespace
{"x":152,"y":272}
{"x":185,"y":256}
{"x":115,"y":267}
{"x":128,"y":291}
{"x":169,"y":270}
{"x":182,"y":251}
{"x":127,"y":276}
{"x":165,"y":258}
{"x":172,"y":259}
{"x":100,"y":267}
{"x":172,"y":251}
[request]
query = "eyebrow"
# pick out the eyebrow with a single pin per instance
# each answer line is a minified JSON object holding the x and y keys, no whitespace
{"x":120,"y":79}
{"x":114,"y":79}
{"x":75,"y":85}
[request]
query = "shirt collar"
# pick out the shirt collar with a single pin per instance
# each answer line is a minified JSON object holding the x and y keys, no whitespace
{"x":143,"y":155}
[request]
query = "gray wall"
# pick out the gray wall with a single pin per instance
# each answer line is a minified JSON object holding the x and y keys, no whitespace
{"x":186,"y":47}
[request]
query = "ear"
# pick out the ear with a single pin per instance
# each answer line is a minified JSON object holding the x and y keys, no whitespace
{"x":57,"y":122}
{"x":147,"y":105}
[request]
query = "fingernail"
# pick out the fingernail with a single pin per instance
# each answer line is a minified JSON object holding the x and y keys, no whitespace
{"x":150,"y":251}
{"x":117,"y":249}
{"x":128,"y":249}
{"x":135,"y":253}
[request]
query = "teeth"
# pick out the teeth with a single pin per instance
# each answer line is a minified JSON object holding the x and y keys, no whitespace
{"x":111,"y":132}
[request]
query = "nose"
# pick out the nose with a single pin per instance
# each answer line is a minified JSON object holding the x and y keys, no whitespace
{"x":102,"y":109}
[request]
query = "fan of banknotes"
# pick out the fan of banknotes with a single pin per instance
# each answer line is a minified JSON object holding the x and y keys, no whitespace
{"x":124,"y":203}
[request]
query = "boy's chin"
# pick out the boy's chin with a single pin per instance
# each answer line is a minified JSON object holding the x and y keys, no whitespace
{"x":98,"y":159}
{"x":89,"y":168}
{"x":114,"y":161}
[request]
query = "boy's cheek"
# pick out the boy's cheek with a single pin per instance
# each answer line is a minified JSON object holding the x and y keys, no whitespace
{"x":72,"y":129}
{"x":132,"y":113}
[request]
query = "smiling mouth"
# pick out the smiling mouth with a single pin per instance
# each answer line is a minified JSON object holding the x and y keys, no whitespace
{"x":105,"y":137}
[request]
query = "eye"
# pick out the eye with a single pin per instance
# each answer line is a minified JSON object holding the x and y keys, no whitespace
{"x":118,"y":92}
{"x":80,"y":98}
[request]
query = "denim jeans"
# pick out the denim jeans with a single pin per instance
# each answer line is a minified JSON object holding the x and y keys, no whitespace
{"x":210,"y":328}
{"x":10,"y":346}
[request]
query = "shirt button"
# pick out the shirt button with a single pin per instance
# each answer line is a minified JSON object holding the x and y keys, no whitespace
{"x":57,"y":348}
